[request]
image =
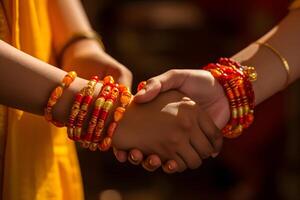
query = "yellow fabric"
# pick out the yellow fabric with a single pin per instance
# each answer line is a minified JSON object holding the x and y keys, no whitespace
{"x":39,"y":161}
{"x":295,"y":5}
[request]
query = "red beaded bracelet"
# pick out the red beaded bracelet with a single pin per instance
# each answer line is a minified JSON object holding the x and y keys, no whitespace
{"x":81,"y":104}
{"x":88,"y":97}
{"x":236,"y":81}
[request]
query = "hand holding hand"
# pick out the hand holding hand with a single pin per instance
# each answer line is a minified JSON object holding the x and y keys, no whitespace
{"x":172,"y":126}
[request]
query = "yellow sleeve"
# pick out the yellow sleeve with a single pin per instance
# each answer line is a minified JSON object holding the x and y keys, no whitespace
{"x":295,"y":5}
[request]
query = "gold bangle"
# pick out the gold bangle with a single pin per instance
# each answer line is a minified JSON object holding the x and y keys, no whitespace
{"x":282,"y":58}
{"x":78,"y":37}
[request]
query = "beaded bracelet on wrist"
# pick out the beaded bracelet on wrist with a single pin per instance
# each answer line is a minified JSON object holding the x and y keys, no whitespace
{"x":55,"y":95}
{"x":236,"y":81}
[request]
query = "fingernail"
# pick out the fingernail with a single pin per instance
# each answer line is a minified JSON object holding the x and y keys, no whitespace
{"x":132,"y":158}
{"x":150,"y":162}
{"x":170,"y":167}
{"x":141,"y":92}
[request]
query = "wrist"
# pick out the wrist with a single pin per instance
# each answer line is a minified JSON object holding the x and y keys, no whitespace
{"x":78,"y":42}
{"x":62,"y":109}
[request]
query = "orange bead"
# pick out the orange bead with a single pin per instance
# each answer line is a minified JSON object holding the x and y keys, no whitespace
{"x":67,"y":80}
{"x":111,"y":129}
{"x":123,"y":88}
{"x":141,"y":85}
{"x":118,"y":114}
{"x":125,"y":98}
{"x":108,"y":80}
{"x":57,"y":92}
{"x":105,"y":144}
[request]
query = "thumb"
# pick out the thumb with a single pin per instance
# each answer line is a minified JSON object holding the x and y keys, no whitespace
{"x":172,"y":79}
{"x":149,"y":92}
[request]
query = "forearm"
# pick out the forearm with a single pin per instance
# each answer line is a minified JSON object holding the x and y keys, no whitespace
{"x":271,"y":73}
{"x":67,"y":18}
{"x":27,"y":82}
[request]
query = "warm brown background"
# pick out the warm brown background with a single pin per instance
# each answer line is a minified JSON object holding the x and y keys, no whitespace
{"x":150,"y":37}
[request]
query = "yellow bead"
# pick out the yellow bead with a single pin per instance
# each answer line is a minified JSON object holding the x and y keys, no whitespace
{"x":234,"y":113}
{"x":77,"y":131}
{"x":107,"y":105}
{"x":240,"y":111}
{"x":72,"y":74}
{"x":93,"y":146}
{"x":99,"y":102}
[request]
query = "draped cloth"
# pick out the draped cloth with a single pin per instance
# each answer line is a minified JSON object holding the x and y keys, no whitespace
{"x":37,"y":161}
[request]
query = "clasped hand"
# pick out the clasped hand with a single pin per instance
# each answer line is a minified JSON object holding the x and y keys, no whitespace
{"x":176,"y":129}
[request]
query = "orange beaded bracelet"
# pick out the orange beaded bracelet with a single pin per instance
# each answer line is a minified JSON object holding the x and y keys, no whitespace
{"x":55,"y":95}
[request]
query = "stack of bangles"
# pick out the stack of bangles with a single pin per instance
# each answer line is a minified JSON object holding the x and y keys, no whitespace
{"x":111,"y":96}
{"x":236,"y":82}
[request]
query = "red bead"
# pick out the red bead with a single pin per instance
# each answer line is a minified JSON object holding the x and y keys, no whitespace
{"x":96,"y":78}
{"x":141,"y":85}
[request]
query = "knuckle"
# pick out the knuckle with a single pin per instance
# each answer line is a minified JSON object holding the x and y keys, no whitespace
{"x":176,"y":139}
{"x":172,"y":72}
{"x":185,"y":124}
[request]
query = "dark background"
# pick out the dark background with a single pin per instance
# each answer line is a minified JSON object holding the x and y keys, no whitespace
{"x":150,"y":37}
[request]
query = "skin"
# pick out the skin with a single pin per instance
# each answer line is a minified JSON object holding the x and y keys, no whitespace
{"x":271,"y":76}
{"x":86,"y":56}
{"x":179,"y":122}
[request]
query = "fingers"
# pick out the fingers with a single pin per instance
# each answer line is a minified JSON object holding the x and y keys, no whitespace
{"x":190,"y":156}
{"x":151,"y":163}
{"x":151,"y":90}
{"x":121,"y":156}
{"x":210,"y":131}
{"x":172,"y":79}
{"x":135,"y":156}
{"x":181,"y":164}
{"x":170,"y":167}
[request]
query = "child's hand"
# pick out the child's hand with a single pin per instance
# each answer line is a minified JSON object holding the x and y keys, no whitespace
{"x":88,"y":59}
{"x":199,"y":85}
{"x":173,"y":127}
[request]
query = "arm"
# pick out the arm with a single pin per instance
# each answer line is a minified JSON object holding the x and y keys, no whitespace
{"x":27,"y":82}
{"x":85,"y":56}
{"x":271,"y":73}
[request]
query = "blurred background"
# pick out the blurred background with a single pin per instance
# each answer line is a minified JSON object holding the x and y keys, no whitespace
{"x":150,"y":37}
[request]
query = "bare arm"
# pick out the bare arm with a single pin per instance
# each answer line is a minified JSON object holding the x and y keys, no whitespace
{"x":67,"y":18}
{"x":285,"y":38}
{"x":27,"y":82}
